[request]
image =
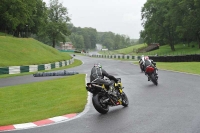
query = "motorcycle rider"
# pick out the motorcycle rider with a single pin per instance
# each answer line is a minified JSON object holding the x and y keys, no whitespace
{"x":97,"y":75}
{"x":149,"y":62}
{"x":141,"y":61}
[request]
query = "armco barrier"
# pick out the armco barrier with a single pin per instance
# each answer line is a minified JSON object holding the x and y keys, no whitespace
{"x":130,"y":57}
{"x":24,"y":69}
{"x":34,"y":68}
{"x":4,"y":70}
{"x":181,"y":58}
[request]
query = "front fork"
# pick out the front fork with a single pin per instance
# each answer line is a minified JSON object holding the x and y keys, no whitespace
{"x":117,"y":100}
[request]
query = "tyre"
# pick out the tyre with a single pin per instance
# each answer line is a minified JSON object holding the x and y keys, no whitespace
{"x":125,"y":100}
{"x":142,"y":68}
{"x":154,"y":79}
{"x":98,"y":105}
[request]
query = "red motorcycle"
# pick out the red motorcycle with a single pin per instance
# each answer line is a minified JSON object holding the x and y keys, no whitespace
{"x":151,"y":73}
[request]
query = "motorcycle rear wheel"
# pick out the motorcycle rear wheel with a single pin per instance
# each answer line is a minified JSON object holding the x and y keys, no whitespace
{"x":100,"y":107}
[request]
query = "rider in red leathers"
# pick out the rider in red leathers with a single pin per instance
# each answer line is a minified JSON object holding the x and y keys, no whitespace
{"x":149,"y":62}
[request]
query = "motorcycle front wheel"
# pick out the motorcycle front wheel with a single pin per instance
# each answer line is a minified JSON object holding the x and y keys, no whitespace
{"x":98,"y":105}
{"x":154,"y":79}
{"x":125,"y":100}
{"x":142,"y":68}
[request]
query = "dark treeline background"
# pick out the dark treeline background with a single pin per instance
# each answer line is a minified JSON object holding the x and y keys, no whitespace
{"x":164,"y":21}
{"x":171,"y":22}
{"x":51,"y":25}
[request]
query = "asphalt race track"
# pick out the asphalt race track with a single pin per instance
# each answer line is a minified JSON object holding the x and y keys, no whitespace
{"x":171,"y":107}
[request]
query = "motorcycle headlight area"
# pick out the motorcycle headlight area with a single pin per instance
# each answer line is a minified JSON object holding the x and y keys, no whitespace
{"x":119,"y":85}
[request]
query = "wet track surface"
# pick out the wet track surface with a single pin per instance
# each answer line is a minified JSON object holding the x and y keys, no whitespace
{"x":171,"y":107}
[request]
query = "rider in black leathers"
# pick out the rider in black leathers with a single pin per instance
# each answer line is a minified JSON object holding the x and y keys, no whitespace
{"x":141,"y":59}
{"x":97,"y":75}
{"x":141,"y":62}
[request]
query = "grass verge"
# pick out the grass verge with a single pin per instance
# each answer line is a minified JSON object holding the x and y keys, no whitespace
{"x":27,"y":51}
{"x":188,"y":67}
{"x":41,"y":100}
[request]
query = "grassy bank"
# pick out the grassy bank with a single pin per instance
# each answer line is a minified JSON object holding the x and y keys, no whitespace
{"x":27,"y":51}
{"x":180,"y":49}
{"x":189,"y":67}
{"x":129,"y":50}
{"x":41,"y":100}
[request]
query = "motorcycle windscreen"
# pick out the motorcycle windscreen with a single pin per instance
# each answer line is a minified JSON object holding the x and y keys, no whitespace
{"x":149,"y":69}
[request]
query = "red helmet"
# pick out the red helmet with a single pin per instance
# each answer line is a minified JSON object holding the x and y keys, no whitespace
{"x":146,"y":57}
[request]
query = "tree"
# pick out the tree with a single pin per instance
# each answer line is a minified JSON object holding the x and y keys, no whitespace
{"x":79,"y":42}
{"x":38,"y":18}
{"x":86,"y":37}
{"x":117,"y":42}
{"x":157,"y":22}
{"x":191,"y":19}
{"x":57,"y":21}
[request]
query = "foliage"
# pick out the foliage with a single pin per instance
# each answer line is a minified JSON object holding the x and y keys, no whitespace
{"x":113,"y":41}
{"x":171,"y":22}
{"x":18,"y":17}
{"x":50,"y":25}
{"x":57,"y":21}
{"x":82,"y":38}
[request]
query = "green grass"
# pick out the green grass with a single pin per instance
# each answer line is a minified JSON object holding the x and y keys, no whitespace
{"x":4,"y":34}
{"x":180,"y":49}
{"x":41,"y":100}
{"x":27,"y":51}
{"x":129,"y":50}
{"x":189,"y":67}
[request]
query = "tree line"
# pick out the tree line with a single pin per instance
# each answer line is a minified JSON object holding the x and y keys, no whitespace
{"x":171,"y":22}
{"x":51,"y":25}
{"x":88,"y":38}
{"x":18,"y":16}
